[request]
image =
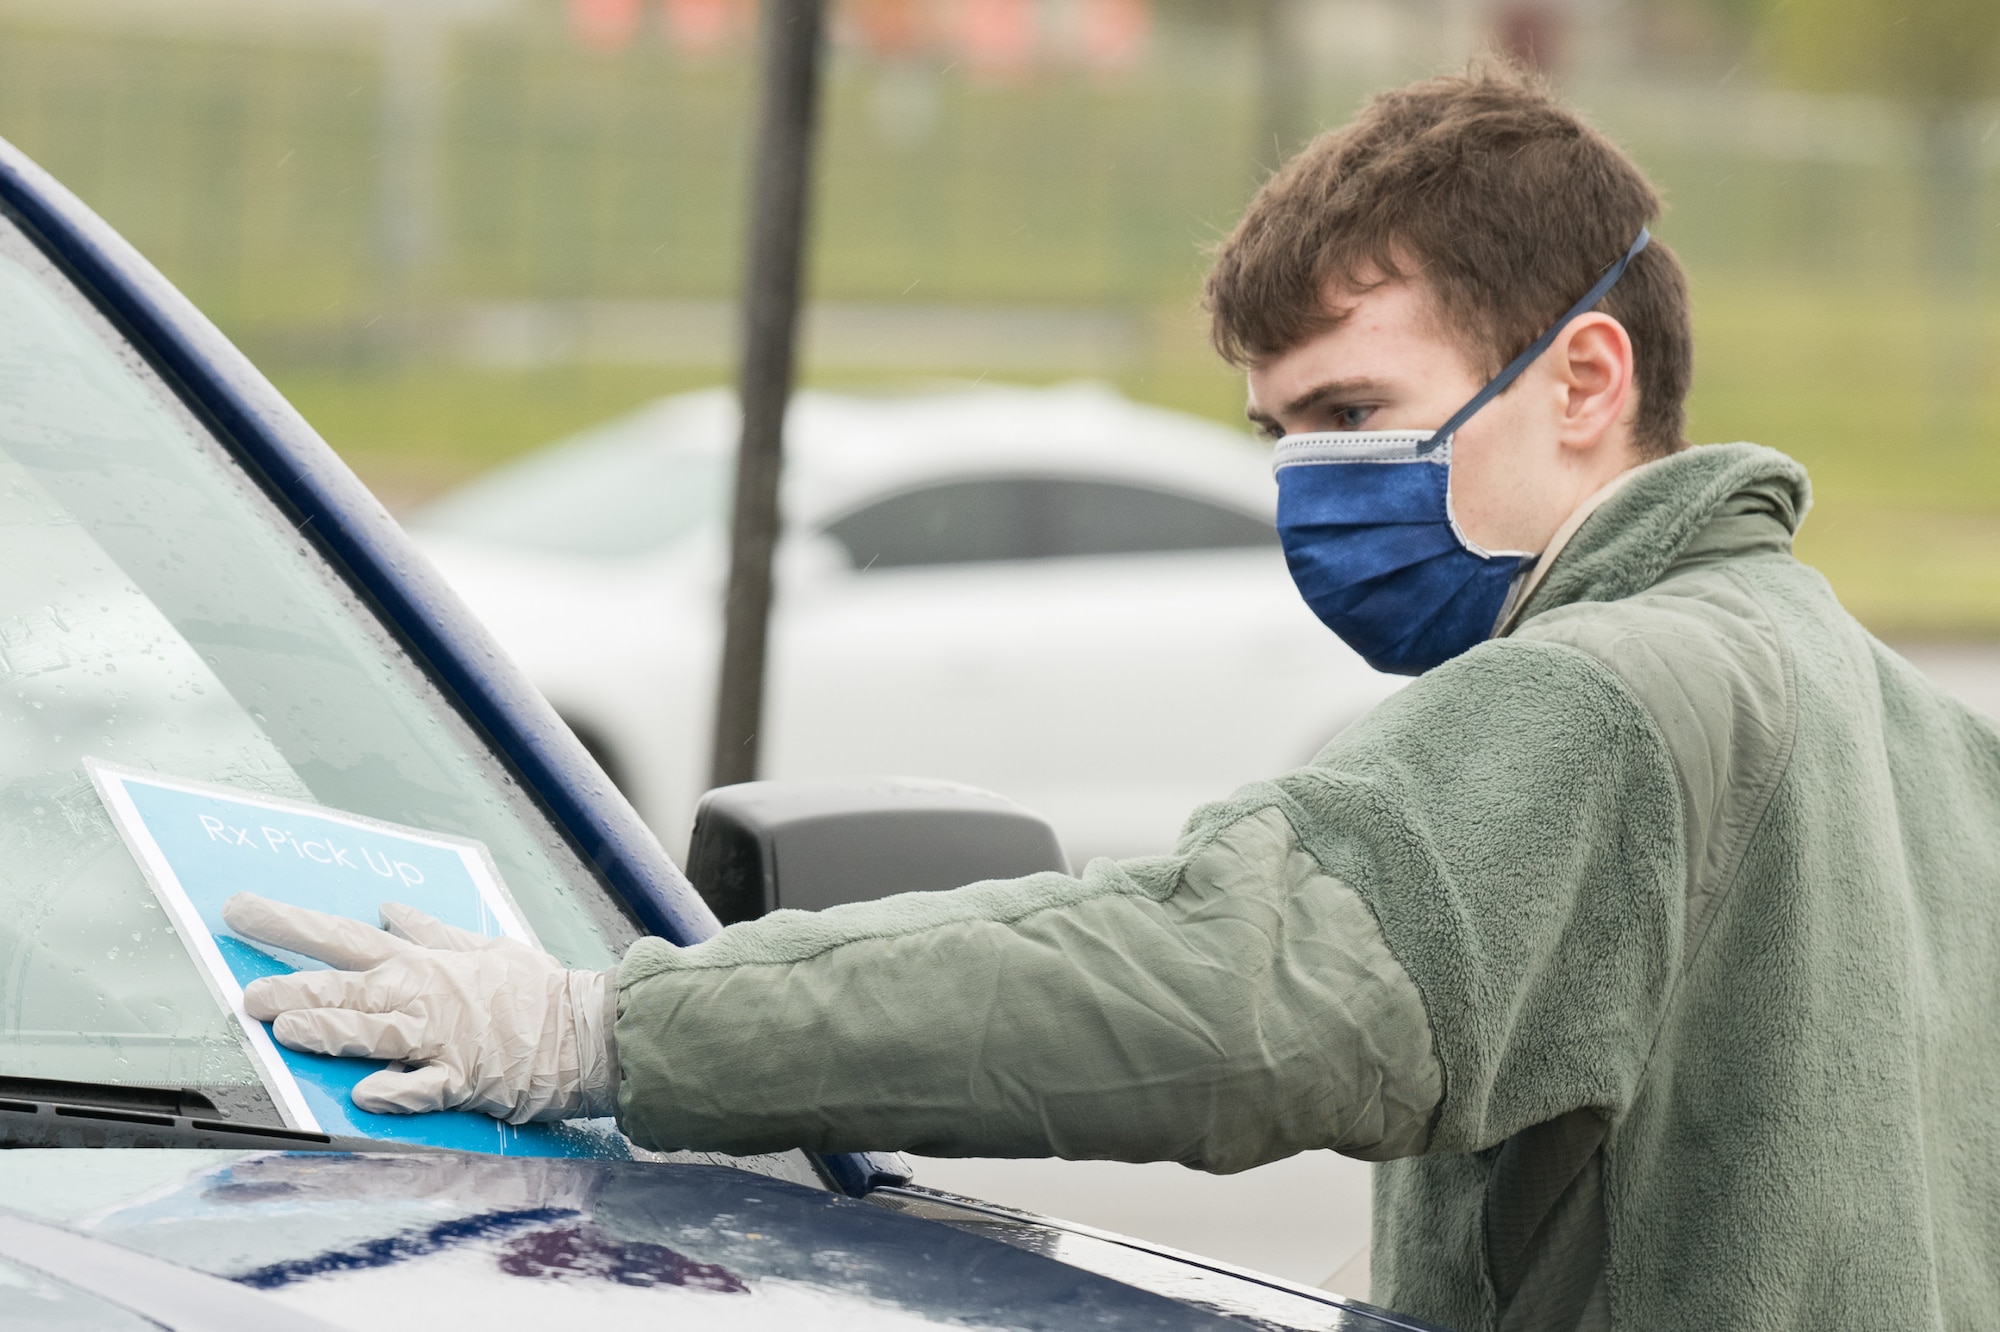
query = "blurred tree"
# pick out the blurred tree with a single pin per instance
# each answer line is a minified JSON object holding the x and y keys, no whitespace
{"x":1938,"y":57}
{"x":1932,"y":54}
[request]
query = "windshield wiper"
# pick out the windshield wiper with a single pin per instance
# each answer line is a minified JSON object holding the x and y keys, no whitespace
{"x":113,"y":1095}
{"x":46,"y":1112}
{"x":247,"y":1102}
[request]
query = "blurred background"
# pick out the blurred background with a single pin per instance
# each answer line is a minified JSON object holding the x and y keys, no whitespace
{"x":455,"y":230}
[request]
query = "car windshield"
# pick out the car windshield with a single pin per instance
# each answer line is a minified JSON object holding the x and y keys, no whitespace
{"x":158,"y":611}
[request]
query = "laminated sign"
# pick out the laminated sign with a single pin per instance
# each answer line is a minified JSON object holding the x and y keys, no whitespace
{"x":199,"y":845}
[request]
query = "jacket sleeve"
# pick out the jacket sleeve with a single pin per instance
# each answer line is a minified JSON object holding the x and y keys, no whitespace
{"x":1261,"y":992}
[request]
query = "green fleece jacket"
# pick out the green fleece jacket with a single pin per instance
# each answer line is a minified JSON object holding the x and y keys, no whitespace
{"x":1654,"y":949}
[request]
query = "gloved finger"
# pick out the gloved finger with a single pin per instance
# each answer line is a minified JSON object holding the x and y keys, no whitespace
{"x":406,"y":922}
{"x":364,"y":991}
{"x":411,"y":1091}
{"x":352,"y":1035}
{"x":349,"y":945}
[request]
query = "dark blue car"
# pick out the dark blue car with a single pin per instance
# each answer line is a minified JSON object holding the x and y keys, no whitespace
{"x":192,"y":584}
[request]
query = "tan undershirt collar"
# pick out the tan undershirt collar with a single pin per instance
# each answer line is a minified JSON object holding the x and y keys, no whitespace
{"x":1526,"y":587}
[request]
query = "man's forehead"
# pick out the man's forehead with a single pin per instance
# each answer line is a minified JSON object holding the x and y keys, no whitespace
{"x":1370,"y":294}
{"x":1375,"y":331}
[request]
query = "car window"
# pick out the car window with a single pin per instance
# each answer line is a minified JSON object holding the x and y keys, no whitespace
{"x":1038,"y":518}
{"x":157,"y":610}
{"x":624,"y":488}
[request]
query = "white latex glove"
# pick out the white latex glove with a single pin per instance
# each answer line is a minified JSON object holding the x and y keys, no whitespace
{"x":484,"y":1024}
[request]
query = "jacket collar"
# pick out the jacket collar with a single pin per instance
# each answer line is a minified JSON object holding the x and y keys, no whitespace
{"x":1704,"y":503}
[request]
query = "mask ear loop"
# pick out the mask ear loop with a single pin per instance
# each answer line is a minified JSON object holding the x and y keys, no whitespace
{"x":1535,"y":349}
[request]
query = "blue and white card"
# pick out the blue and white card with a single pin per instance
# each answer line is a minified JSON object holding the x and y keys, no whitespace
{"x":199,"y":845}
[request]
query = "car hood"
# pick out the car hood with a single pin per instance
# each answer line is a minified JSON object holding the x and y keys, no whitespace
{"x":408,"y":1240}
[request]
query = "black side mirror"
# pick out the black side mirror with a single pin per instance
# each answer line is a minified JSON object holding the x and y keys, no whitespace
{"x":759,"y":846}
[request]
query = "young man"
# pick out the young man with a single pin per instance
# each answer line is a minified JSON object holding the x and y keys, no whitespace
{"x":1648,"y":939}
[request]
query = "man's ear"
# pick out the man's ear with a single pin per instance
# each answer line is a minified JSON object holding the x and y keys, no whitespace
{"x":1593,"y":364}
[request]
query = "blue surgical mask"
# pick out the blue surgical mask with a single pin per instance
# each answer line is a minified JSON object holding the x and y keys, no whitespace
{"x":1365,"y":518}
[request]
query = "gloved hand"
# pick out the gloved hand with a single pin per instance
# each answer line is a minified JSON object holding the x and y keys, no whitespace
{"x":485,"y":1024}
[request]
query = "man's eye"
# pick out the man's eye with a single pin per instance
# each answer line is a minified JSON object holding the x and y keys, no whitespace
{"x":1351,"y":418}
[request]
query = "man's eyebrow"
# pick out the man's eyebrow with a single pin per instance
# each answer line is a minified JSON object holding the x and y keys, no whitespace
{"x":1333,"y":390}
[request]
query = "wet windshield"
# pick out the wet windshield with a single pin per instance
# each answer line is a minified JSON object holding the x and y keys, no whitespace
{"x":157,"y":611}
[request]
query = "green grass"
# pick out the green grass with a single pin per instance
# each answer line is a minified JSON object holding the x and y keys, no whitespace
{"x":1892,"y":401}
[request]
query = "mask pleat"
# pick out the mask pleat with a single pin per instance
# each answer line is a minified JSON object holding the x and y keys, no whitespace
{"x":1365,"y":563}
{"x":1368,"y":494}
{"x":1415,"y":588}
{"x":1465,"y":618}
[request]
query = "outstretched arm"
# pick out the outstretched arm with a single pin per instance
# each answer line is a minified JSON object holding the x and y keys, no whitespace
{"x":1459,"y":922}
{"x":1230,"y":1005}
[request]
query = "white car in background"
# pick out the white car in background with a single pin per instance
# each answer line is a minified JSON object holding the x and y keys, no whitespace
{"x":1055,"y":593}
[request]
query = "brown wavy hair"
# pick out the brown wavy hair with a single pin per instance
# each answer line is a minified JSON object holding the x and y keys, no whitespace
{"x":1494,"y":195}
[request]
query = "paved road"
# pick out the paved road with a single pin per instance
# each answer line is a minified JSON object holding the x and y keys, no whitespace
{"x":1305,"y":1219}
{"x":1970,"y":670}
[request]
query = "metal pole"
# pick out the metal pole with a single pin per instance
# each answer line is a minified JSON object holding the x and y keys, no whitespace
{"x":791,"y":55}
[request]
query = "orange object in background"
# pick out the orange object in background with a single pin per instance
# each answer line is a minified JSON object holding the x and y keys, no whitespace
{"x":604,"y":25}
{"x":1112,"y":34}
{"x":998,"y":36}
{"x":891,"y":27}
{"x":703,"y":27}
